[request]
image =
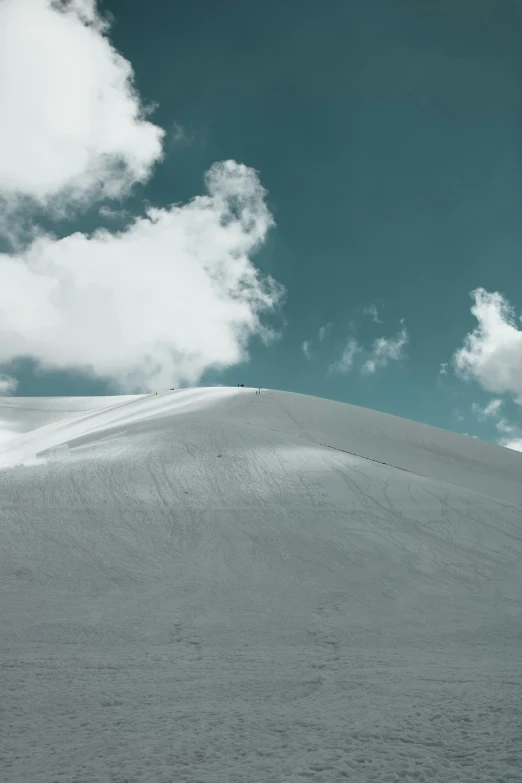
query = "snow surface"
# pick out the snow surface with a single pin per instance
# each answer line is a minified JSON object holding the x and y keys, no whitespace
{"x":212,"y":585}
{"x":22,"y":414}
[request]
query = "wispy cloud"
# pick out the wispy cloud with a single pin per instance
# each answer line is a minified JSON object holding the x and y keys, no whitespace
{"x":504,"y":426}
{"x":181,"y":137}
{"x":324,"y":331}
{"x":178,"y":133}
{"x":510,"y":434}
{"x":307,"y":345}
{"x":113,"y":214}
{"x":385,"y":350}
{"x":492,"y":353}
{"x":8,"y":385}
{"x":346,"y":362}
{"x":443,"y":368}
{"x":372,"y":312}
{"x":306,"y":349}
{"x":492,"y":409}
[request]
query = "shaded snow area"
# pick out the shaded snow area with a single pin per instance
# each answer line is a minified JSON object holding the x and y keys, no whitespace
{"x":213,"y":585}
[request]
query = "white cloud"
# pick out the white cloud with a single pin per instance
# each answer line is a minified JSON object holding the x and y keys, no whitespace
{"x":492,"y":353}
{"x":443,"y":368}
{"x":384,"y":350}
{"x":324,"y":331}
{"x":154,"y":305}
{"x":169,"y":296}
{"x":8,"y":385}
{"x":72,"y":127}
{"x":346,"y":361}
{"x":306,"y":349}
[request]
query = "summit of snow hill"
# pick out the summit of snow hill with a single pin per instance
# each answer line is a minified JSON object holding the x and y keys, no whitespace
{"x":299,"y":419}
{"x":219,"y":585}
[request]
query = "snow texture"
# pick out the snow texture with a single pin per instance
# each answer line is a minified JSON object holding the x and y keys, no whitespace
{"x":217,"y":586}
{"x":23,"y":414}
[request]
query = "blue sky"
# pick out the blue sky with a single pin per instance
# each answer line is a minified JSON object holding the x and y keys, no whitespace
{"x":378,"y":154}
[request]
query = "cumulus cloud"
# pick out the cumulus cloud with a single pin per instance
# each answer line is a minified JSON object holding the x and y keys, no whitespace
{"x":385,"y":350}
{"x":8,"y":385}
{"x":492,"y":353}
{"x":154,"y":305}
{"x":72,"y":127}
{"x":163,"y":299}
{"x":346,"y":362}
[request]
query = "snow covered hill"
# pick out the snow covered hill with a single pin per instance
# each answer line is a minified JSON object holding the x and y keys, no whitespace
{"x":215,"y":585}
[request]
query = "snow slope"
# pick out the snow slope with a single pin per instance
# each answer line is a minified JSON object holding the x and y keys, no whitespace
{"x":214,"y":585}
{"x":22,"y":414}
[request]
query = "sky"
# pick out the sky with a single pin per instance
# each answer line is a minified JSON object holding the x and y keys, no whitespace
{"x":315,"y":197}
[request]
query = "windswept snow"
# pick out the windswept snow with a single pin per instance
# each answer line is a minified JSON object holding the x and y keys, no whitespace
{"x":213,"y":585}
